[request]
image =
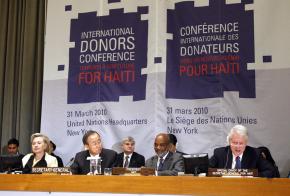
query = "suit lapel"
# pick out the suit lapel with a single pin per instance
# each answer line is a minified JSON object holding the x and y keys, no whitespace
{"x":246,"y":159}
{"x":154,"y":162}
{"x":103,"y":158}
{"x":87,"y":162}
{"x":120,"y":160}
{"x":132,"y":160}
{"x":229,"y":158}
{"x":230,"y":161}
{"x":167,"y":162}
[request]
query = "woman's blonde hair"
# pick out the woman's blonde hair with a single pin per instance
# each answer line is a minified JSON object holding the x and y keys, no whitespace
{"x":45,"y":139}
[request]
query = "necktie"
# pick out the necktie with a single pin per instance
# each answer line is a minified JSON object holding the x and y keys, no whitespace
{"x":126,"y":164}
{"x":160,"y":166}
{"x":238,"y":163}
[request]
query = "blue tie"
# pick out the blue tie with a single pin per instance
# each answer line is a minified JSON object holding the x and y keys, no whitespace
{"x":238,"y":163}
{"x":160,"y":166}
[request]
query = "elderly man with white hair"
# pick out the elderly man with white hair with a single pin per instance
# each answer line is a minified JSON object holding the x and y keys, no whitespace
{"x":240,"y":156}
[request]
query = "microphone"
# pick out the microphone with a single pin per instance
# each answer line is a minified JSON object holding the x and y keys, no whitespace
{"x":70,"y":162}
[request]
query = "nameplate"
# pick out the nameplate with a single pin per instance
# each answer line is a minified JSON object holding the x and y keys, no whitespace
{"x":144,"y":171}
{"x":51,"y":170}
{"x":214,"y":172}
{"x":125,"y":171}
{"x":118,"y":170}
{"x":147,"y":171}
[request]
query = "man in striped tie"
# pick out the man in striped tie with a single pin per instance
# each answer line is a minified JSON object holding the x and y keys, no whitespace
{"x":129,"y":158}
{"x":166,"y":163}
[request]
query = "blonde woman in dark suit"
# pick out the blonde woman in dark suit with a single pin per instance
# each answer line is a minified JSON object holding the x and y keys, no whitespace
{"x":39,"y":156}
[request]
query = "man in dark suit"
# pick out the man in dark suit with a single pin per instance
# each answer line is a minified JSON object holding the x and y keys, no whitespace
{"x":93,"y":144}
{"x":240,"y":156}
{"x":165,"y":162}
{"x":129,"y":158}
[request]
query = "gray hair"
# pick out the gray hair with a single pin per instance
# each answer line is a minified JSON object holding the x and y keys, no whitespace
{"x":128,"y":139}
{"x":238,"y":129}
{"x":45,"y":140}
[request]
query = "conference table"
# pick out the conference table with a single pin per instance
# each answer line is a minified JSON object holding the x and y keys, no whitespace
{"x":176,"y":185}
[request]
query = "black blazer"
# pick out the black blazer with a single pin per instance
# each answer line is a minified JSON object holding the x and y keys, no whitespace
{"x":137,"y":160}
{"x":82,"y":166}
{"x":223,"y":157}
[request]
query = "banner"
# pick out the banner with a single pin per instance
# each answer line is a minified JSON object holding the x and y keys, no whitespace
{"x":191,"y":68}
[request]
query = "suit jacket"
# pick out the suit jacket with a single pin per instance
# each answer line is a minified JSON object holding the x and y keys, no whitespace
{"x":223,"y":157}
{"x":82,"y":166}
{"x":172,"y":164}
{"x":137,"y":160}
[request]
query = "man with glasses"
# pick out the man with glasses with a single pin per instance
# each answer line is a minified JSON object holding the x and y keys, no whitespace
{"x":240,"y":156}
{"x":94,"y":150}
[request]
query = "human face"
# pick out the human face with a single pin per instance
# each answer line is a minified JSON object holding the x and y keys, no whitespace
{"x":238,"y":144}
{"x":12,"y":149}
{"x":94,"y":144}
{"x":38,"y":145}
{"x":128,"y":147}
{"x":161,"y":145}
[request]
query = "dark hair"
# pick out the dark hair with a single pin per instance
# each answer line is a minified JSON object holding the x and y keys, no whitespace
{"x":88,"y":134}
{"x":266,"y":151}
{"x":53,"y":145}
{"x":13,"y":141}
{"x":172,"y":139}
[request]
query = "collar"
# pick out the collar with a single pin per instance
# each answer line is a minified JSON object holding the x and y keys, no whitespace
{"x":241,"y":156}
{"x":164,"y":156}
{"x":95,"y":156}
{"x":129,"y":155}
